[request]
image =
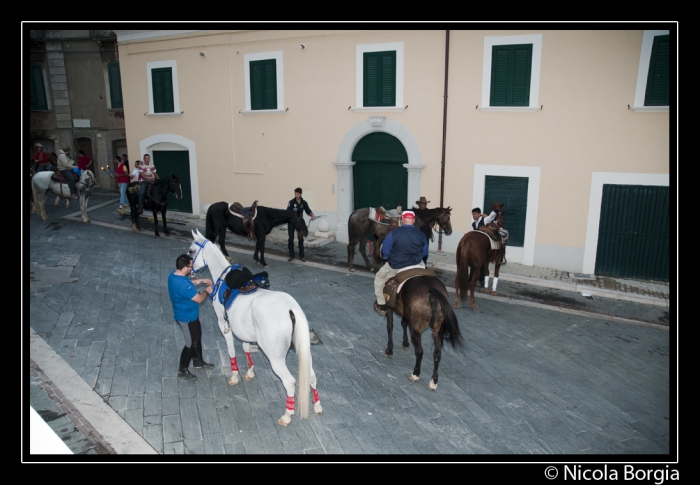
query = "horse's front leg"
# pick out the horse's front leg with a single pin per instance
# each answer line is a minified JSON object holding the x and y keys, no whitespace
{"x":250,"y":374}
{"x":404,"y":343}
{"x":497,"y":267}
{"x":228,"y":337}
{"x":166,"y":231}
{"x":486,"y":278}
{"x":457,"y":303}
{"x":83,"y":209}
{"x":437,"y":355}
{"x":415,"y":338}
{"x":389,"y":330}
{"x":351,"y":255}
{"x":155,"y":222}
{"x":363,"y":252}
{"x":262,"y":253}
{"x":472,"y":285}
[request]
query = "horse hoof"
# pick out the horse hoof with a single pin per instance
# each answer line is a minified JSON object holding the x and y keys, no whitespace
{"x":494,"y":293}
{"x":457,"y":305}
{"x":258,"y":263}
{"x":284,"y":420}
{"x":404,"y":346}
{"x":414,"y":378}
{"x":372,"y":270}
{"x":387,"y":353}
{"x":229,"y":259}
{"x":474,"y":306}
{"x":487,"y":291}
{"x":267,"y":266}
{"x":232,"y":381}
{"x":431,"y":385}
{"x":317,"y":408}
{"x":352,"y":270}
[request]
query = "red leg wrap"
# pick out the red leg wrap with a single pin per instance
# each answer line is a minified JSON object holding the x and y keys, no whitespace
{"x":250,"y":360}
{"x":234,"y":365}
{"x":316,"y":398}
{"x":290,"y":403}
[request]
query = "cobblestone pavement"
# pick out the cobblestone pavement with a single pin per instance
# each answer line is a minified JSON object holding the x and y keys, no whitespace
{"x":530,"y":381}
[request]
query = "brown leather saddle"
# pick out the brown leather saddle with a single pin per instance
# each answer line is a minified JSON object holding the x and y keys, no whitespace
{"x":247,"y":214}
{"x":61,"y":179}
{"x":393,"y":286}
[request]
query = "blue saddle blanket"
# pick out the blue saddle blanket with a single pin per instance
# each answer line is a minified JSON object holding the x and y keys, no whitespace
{"x":226,"y":295}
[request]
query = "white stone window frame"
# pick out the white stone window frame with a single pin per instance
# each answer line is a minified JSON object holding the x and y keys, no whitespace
{"x":489,"y":43}
{"x":176,"y":95}
{"x":643,"y":72}
{"x":279,"y":68}
{"x":359,"y":75}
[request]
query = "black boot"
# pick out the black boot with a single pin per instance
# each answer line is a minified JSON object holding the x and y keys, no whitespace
{"x":184,"y":372}
{"x":197,"y":360}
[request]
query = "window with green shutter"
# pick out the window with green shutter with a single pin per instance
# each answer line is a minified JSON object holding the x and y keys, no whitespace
{"x":263,"y":84}
{"x":115,"y":85}
{"x":379,"y":78}
{"x":163,"y":90}
{"x":511,"y":69}
{"x":37,"y":91}
{"x":657,"y":82}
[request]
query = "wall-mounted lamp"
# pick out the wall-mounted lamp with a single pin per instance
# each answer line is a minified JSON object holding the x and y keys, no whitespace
{"x":302,"y":46}
{"x":201,"y":54}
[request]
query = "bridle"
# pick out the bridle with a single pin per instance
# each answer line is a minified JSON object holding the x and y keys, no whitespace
{"x":201,"y":247}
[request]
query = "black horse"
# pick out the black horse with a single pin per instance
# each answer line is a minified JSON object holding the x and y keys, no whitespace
{"x":219,"y":217}
{"x":155,"y":200}
{"x":422,"y":303}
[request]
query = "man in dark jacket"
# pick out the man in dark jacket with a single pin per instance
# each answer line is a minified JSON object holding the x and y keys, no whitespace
{"x":403,"y":248}
{"x":299,"y":206}
{"x":478,"y":222}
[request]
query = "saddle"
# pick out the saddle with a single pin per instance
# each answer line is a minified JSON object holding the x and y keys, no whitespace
{"x":240,"y":281}
{"x":394,"y":285}
{"x":380,"y":215}
{"x":498,"y":238}
{"x":61,"y":179}
{"x":248,"y":215}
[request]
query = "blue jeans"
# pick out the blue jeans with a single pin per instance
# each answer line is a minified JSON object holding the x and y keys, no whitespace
{"x":122,"y":194}
{"x":70,"y":180}
{"x":142,"y":193}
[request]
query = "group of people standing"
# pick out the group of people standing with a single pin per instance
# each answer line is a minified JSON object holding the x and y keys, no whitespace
{"x":144,"y":172}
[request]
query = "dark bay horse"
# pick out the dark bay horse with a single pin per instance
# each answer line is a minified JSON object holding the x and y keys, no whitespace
{"x":474,"y":251}
{"x":219,"y":217}
{"x":360,"y":226}
{"x":422,"y":303}
{"x":155,"y":200}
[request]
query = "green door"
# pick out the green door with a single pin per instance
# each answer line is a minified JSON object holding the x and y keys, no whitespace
{"x":634,"y":234}
{"x":512,"y":192}
{"x":171,"y":162}
{"x":380,"y":179}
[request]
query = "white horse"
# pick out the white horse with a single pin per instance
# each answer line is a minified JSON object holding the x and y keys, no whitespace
{"x":272,"y":319}
{"x":42,"y":185}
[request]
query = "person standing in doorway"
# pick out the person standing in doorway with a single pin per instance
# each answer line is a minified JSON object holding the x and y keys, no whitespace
{"x":148,"y":175}
{"x":185,"y":300}
{"x":40,"y":158}
{"x":125,"y":160}
{"x":427,"y":229}
{"x":83,"y":160}
{"x":299,"y":206}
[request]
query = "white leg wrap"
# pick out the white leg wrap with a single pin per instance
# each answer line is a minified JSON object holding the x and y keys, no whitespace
{"x":495,"y":283}
{"x":486,"y":281}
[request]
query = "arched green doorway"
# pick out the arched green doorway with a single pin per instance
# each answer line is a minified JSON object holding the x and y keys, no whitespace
{"x":380,"y":179}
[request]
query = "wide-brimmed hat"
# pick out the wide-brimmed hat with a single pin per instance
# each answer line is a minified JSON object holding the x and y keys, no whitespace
{"x":422,"y":201}
{"x":39,"y":145}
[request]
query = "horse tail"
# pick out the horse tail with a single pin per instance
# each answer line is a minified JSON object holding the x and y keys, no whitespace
{"x":462,"y":277}
{"x":302,"y":344}
{"x":449,"y":330}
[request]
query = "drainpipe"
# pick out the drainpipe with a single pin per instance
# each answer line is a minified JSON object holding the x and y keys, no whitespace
{"x":444,"y":131}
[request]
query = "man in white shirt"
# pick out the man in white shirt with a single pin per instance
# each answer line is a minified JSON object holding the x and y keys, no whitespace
{"x":148,"y":175}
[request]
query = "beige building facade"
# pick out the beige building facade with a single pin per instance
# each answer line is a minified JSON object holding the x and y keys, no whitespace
{"x":582,"y":123}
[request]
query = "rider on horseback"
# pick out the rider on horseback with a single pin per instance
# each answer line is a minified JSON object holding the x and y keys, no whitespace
{"x":148,"y":176}
{"x":65,"y":165}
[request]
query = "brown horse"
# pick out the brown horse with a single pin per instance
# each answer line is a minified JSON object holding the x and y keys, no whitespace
{"x":474,"y":251}
{"x":422,"y":303}
{"x":360,"y":226}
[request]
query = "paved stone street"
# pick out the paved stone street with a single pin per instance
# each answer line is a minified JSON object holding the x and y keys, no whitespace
{"x":532,"y":379}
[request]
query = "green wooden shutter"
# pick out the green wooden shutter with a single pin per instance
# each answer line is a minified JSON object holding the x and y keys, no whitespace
{"x":263,"y":84}
{"x":511,"y":71}
{"x":115,"y":85}
{"x":37,"y":91}
{"x":379,"y":78}
{"x":163,"y":90}
{"x":512,"y":192}
{"x":657,"y":82}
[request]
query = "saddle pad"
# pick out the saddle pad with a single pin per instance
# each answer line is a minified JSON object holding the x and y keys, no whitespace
{"x":495,"y":245}
{"x":403,"y":276}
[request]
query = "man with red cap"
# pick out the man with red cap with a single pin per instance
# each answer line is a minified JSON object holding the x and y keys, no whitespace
{"x":403,"y":248}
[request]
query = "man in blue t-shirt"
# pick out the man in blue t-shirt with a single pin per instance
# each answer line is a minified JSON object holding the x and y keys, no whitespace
{"x":186,"y":300}
{"x":403,"y":248}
